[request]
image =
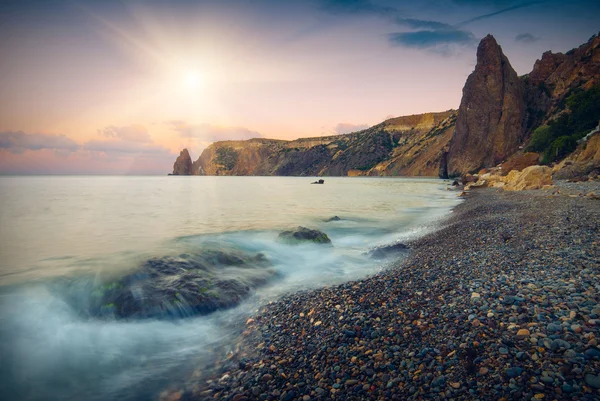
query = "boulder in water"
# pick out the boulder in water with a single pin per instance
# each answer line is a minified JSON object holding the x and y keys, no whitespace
{"x":181,"y":286}
{"x":303,"y":234}
{"x":383,"y":252}
{"x":334,"y":218}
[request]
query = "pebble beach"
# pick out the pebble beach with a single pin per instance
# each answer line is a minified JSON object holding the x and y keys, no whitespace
{"x":501,"y":303}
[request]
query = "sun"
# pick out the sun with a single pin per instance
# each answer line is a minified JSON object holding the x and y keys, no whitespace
{"x":192,"y":80}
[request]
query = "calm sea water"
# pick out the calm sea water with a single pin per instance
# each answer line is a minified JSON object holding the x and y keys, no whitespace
{"x":86,"y":228}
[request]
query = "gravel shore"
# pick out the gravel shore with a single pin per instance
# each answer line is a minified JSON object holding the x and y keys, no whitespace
{"x":503,"y":302}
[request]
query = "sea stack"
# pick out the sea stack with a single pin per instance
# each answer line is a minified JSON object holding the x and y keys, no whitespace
{"x":489,"y":127}
{"x":183,"y":164}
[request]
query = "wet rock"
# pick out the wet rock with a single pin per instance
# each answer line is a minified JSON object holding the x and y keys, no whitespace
{"x":181,"y":286}
{"x":303,"y":234}
{"x":386,"y":251}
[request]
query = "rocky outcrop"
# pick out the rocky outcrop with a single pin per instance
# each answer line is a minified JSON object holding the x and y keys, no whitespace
{"x":555,"y":76}
{"x":383,"y":252}
{"x":303,"y":234}
{"x":583,"y":163}
{"x":181,"y":286}
{"x":409,"y":145}
{"x":497,"y":115}
{"x":489,"y":127}
{"x":183,"y":164}
{"x":520,"y":162}
{"x":532,"y":177}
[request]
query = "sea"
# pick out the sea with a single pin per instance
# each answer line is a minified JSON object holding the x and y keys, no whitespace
{"x":89,"y":229}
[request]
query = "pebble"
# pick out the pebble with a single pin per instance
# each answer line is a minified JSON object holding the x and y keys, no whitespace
{"x":593,"y":380}
{"x":495,"y":319}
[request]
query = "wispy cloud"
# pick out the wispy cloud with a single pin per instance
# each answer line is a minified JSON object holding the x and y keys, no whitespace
{"x":526,"y":38}
{"x":436,"y":36}
{"x":430,"y":39}
{"x":124,"y":147}
{"x":134,"y":133}
{"x":502,"y":11}
{"x":346,"y":128}
{"x":18,"y":142}
{"x":356,"y":7}
{"x":426,"y":34}
{"x":211,"y":133}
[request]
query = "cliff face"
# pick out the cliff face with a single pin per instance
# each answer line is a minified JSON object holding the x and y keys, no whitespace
{"x":555,"y":76}
{"x":408,"y":145}
{"x":183,"y":164}
{"x":491,"y":115}
{"x":497,"y":115}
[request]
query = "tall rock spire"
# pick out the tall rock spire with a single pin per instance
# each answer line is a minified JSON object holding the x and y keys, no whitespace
{"x":489,"y":126}
{"x":183,"y":164}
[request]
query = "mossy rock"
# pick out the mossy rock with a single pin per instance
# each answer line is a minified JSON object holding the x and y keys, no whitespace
{"x":303,"y":234}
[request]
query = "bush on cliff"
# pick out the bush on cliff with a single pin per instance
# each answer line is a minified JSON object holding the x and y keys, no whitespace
{"x":559,"y":138}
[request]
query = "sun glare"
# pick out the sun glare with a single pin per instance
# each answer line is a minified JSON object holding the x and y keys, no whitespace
{"x":192,"y":80}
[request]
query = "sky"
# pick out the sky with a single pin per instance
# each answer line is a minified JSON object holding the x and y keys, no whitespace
{"x":120,"y":87}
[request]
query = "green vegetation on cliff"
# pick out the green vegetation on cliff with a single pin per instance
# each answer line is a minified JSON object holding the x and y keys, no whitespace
{"x":559,"y":138}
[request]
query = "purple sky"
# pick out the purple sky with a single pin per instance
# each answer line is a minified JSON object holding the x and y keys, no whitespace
{"x":120,"y":87}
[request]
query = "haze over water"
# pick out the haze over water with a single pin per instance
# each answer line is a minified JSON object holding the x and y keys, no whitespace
{"x":87,"y":229}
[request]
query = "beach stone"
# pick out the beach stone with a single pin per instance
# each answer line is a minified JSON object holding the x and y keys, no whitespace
{"x":592,"y":353}
{"x":593,"y":380}
{"x":553,"y":327}
{"x":513,"y":372}
{"x":438,"y":381}
{"x":522,"y":333}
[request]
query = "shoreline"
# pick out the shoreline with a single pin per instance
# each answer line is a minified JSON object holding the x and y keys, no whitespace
{"x":502,"y":301}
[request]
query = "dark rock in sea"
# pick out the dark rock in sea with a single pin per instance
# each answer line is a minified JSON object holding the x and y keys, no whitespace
{"x":318,"y":182}
{"x":334,"y":218}
{"x":303,"y":234}
{"x":385,"y":251}
{"x":183,"y":164}
{"x":181,"y":286}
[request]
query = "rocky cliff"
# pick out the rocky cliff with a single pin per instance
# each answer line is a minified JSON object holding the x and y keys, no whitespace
{"x":410,"y":145}
{"x":555,"y":76}
{"x":183,"y":164}
{"x":489,"y":127}
{"x":500,"y":116}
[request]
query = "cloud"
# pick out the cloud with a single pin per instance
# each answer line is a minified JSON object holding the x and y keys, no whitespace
{"x":134,"y":133}
{"x":502,"y":11}
{"x":211,"y":133}
{"x":526,"y":38}
{"x":124,"y":147}
{"x":427,"y":34}
{"x":430,"y":35}
{"x":346,"y":128}
{"x":18,"y":142}
{"x":420,"y":24}
{"x":355,"y":7}
{"x":431,"y":38}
